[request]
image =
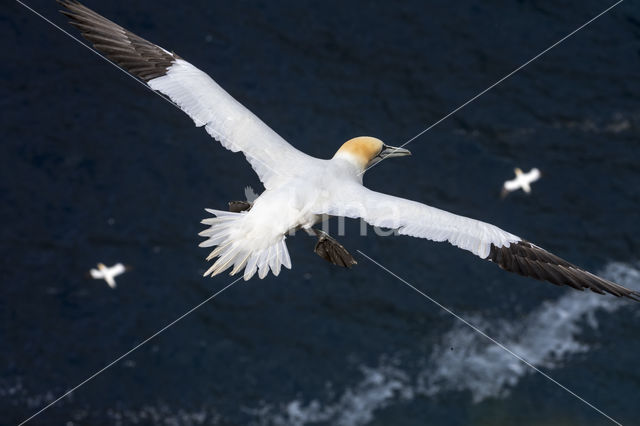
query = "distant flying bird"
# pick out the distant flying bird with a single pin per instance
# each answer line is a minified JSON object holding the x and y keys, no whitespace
{"x":522,"y":181}
{"x":301,"y":189}
{"x":108,"y":273}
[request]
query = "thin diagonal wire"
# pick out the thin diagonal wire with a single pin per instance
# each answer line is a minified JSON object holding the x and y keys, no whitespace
{"x":502,"y":79}
{"x":482,"y":333}
{"x":99,"y":54}
{"x":94,"y":375}
{"x":123,"y":70}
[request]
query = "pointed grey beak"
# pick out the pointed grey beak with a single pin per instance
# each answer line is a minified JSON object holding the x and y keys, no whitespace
{"x":392,"y":151}
{"x":388,"y":152}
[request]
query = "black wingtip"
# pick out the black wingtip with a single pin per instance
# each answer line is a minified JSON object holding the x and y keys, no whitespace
{"x":634,"y":295}
{"x":68,"y":3}
{"x":139,"y":57}
{"x":529,"y":260}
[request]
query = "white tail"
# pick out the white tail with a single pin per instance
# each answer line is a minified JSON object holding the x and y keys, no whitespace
{"x":230,"y":232}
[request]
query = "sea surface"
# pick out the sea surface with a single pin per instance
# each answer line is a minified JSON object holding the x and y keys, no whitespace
{"x":96,"y":168}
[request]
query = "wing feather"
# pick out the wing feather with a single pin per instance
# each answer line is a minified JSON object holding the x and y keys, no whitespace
{"x":416,"y":219}
{"x":118,"y":269}
{"x":511,"y":185}
{"x":208,"y":105}
{"x":534,"y":175}
{"x":487,"y":241}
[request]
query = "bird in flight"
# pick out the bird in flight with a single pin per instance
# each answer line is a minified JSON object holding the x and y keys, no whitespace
{"x":108,"y":273}
{"x":299,"y":189}
{"x":522,"y":181}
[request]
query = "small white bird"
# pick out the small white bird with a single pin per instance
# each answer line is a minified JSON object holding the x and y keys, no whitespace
{"x":300,"y":189}
{"x":108,"y":273}
{"x":522,"y":181}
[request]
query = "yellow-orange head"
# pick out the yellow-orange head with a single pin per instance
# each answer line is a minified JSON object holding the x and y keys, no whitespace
{"x":365,"y":151}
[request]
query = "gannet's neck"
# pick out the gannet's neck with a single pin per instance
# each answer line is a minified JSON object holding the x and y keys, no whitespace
{"x":350,"y":161}
{"x":347,"y":167}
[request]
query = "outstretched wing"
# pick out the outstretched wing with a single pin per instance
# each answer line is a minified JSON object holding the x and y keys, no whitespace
{"x":118,"y":269}
{"x":482,"y":239}
{"x":95,"y":274}
{"x":534,"y":174}
{"x":194,"y":92}
{"x":511,"y":185}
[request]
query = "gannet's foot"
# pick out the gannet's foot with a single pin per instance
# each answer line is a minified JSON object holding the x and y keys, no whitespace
{"x":239,"y":206}
{"x":332,"y":251}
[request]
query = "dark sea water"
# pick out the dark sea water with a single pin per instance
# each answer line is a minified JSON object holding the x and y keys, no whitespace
{"x":94,"y":167}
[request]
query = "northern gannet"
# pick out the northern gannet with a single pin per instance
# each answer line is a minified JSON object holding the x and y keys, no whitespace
{"x":522,"y":181}
{"x":300,"y":189}
{"x":108,"y":273}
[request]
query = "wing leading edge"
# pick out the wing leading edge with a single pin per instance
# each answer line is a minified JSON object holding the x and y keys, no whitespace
{"x":208,"y":105}
{"x":487,"y":241}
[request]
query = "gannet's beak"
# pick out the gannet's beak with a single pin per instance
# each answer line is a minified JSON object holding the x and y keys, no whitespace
{"x":392,"y":151}
{"x":389,"y":152}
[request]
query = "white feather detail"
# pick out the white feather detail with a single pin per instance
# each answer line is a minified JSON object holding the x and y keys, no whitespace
{"x":251,"y":267}
{"x":229,"y":122}
{"x":415,"y":219}
{"x":286,"y":260}
{"x":230,"y":232}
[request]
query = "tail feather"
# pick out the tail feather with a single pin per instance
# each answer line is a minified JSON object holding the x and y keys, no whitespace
{"x":228,"y":231}
{"x":239,"y":265}
{"x":215,"y":239}
{"x":220,"y":214}
{"x":226,"y":260}
{"x":263,"y":262}
{"x":274,"y":260}
{"x":218,"y":250}
{"x":252,"y":266}
{"x":286,"y":260}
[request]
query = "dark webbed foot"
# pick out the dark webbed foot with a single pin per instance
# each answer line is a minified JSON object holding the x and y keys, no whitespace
{"x":239,"y":206}
{"x":332,"y":251}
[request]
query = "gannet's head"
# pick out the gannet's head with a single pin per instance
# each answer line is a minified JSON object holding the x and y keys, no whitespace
{"x":365,"y":151}
{"x":101,"y":266}
{"x":517,"y":171}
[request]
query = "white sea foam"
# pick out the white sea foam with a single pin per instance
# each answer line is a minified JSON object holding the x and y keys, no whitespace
{"x":546,"y":337}
{"x":378,"y":387}
{"x":14,"y":393}
{"x":619,"y":122}
{"x":162,"y":414}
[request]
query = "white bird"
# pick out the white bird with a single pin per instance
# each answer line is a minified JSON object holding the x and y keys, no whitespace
{"x":522,"y":181}
{"x":301,"y":189}
{"x":108,"y":273}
